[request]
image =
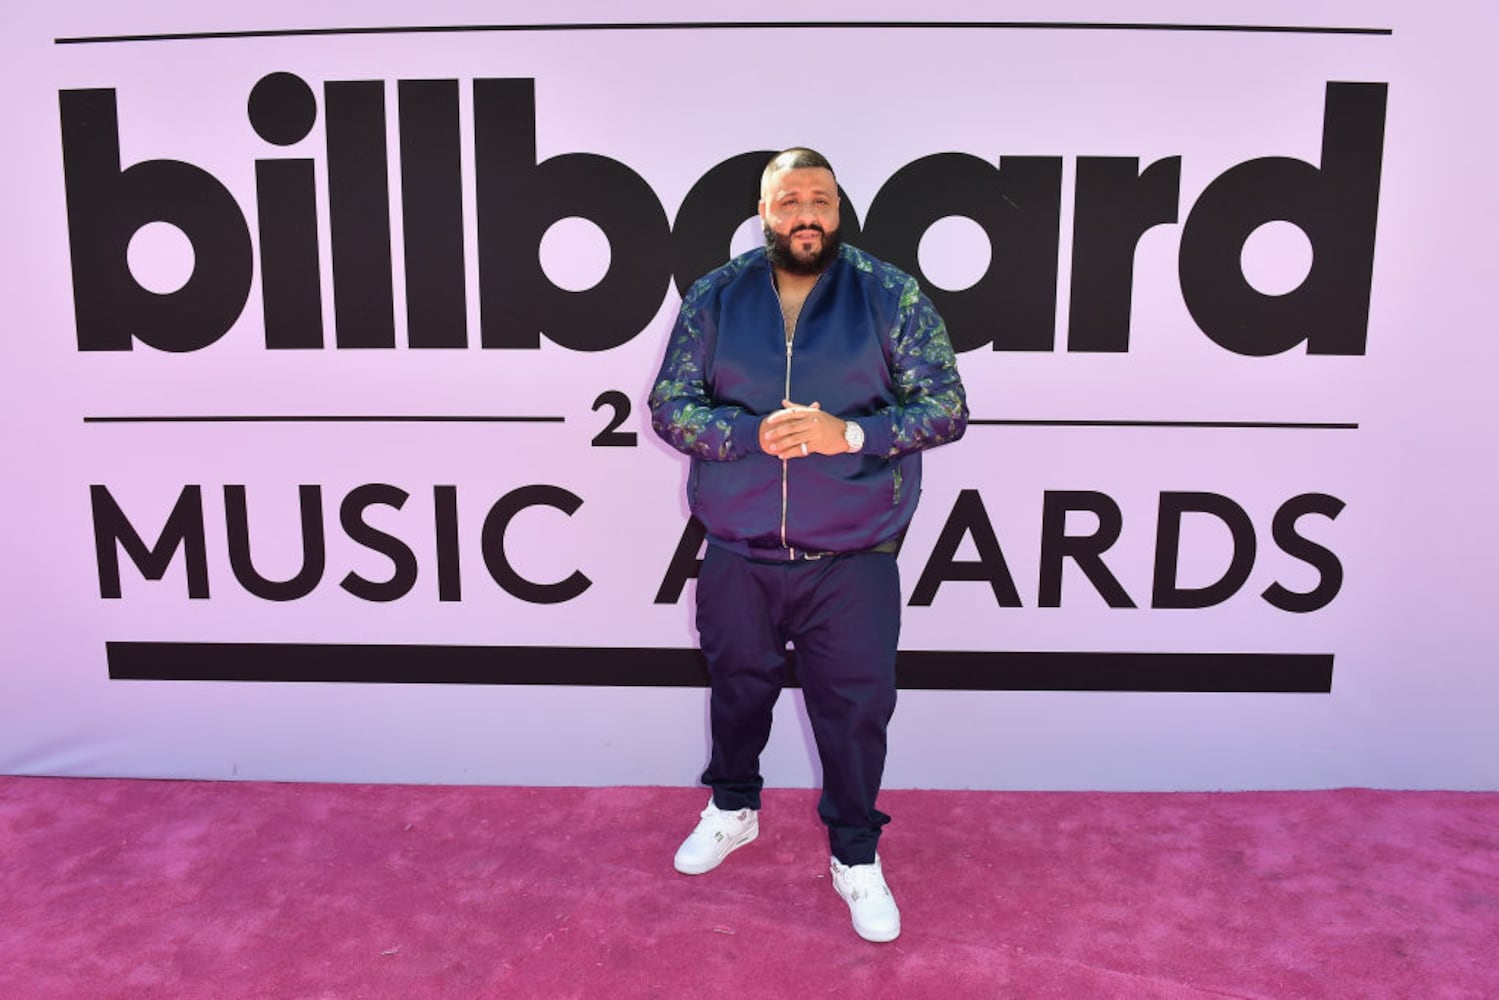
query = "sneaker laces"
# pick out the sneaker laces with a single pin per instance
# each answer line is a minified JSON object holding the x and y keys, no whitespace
{"x":864,"y":880}
{"x":715,"y":820}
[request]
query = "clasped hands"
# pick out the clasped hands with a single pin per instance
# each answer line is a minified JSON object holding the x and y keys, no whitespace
{"x":796,"y":431}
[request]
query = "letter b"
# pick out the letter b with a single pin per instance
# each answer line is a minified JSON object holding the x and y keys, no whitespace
{"x":519,"y":199}
{"x":107,"y":206}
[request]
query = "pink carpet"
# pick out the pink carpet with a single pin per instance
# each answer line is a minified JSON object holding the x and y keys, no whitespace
{"x":114,"y":888}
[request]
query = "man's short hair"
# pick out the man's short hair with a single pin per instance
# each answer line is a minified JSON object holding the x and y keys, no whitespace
{"x":795,"y":158}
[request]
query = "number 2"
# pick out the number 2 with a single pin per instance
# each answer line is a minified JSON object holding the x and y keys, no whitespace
{"x":610,"y":436}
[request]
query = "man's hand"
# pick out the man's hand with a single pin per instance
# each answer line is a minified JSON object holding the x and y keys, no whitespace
{"x":797,"y":431}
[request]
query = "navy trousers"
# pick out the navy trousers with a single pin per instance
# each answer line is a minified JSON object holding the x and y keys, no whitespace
{"x":842,"y":614}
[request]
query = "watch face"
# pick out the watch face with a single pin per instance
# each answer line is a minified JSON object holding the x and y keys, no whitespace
{"x":854,"y":435}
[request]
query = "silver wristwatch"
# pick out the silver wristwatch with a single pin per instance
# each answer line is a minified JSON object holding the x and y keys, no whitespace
{"x":853,"y":434}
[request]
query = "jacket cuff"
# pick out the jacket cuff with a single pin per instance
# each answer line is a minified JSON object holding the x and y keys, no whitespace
{"x":879,"y":436}
{"x":747,"y":430}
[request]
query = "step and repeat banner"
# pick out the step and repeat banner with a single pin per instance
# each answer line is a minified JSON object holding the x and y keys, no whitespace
{"x":329,"y":332}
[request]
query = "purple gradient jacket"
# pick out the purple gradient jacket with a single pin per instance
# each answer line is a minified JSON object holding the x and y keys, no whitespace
{"x":868,"y":346}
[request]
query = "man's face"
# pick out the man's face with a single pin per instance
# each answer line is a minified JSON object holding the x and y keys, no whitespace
{"x":800,"y":215}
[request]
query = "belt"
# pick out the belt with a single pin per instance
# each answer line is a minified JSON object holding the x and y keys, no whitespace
{"x":783,"y":554}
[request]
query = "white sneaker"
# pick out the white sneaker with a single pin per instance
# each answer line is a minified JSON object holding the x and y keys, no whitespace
{"x":863,"y":888}
{"x":717,"y":834}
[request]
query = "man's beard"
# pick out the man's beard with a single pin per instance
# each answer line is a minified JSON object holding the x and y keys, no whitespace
{"x":778,"y":249}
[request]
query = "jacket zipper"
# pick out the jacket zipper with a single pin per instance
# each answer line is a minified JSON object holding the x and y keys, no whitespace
{"x":786,"y":392}
{"x":785,"y":465}
{"x":790,"y":337}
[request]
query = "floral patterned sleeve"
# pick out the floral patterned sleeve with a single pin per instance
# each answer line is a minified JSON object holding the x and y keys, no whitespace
{"x":932,"y":408}
{"x":682,"y":412}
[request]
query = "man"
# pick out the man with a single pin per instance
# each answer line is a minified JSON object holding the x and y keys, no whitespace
{"x":804,"y":379}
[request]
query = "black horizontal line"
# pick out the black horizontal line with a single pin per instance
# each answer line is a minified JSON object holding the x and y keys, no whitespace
{"x":259,"y":418}
{"x":414,"y":29}
{"x":1300,"y":425}
{"x":324,"y":419}
{"x":936,"y":670}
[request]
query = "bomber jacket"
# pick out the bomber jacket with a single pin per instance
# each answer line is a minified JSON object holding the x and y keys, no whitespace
{"x":868,"y":347}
